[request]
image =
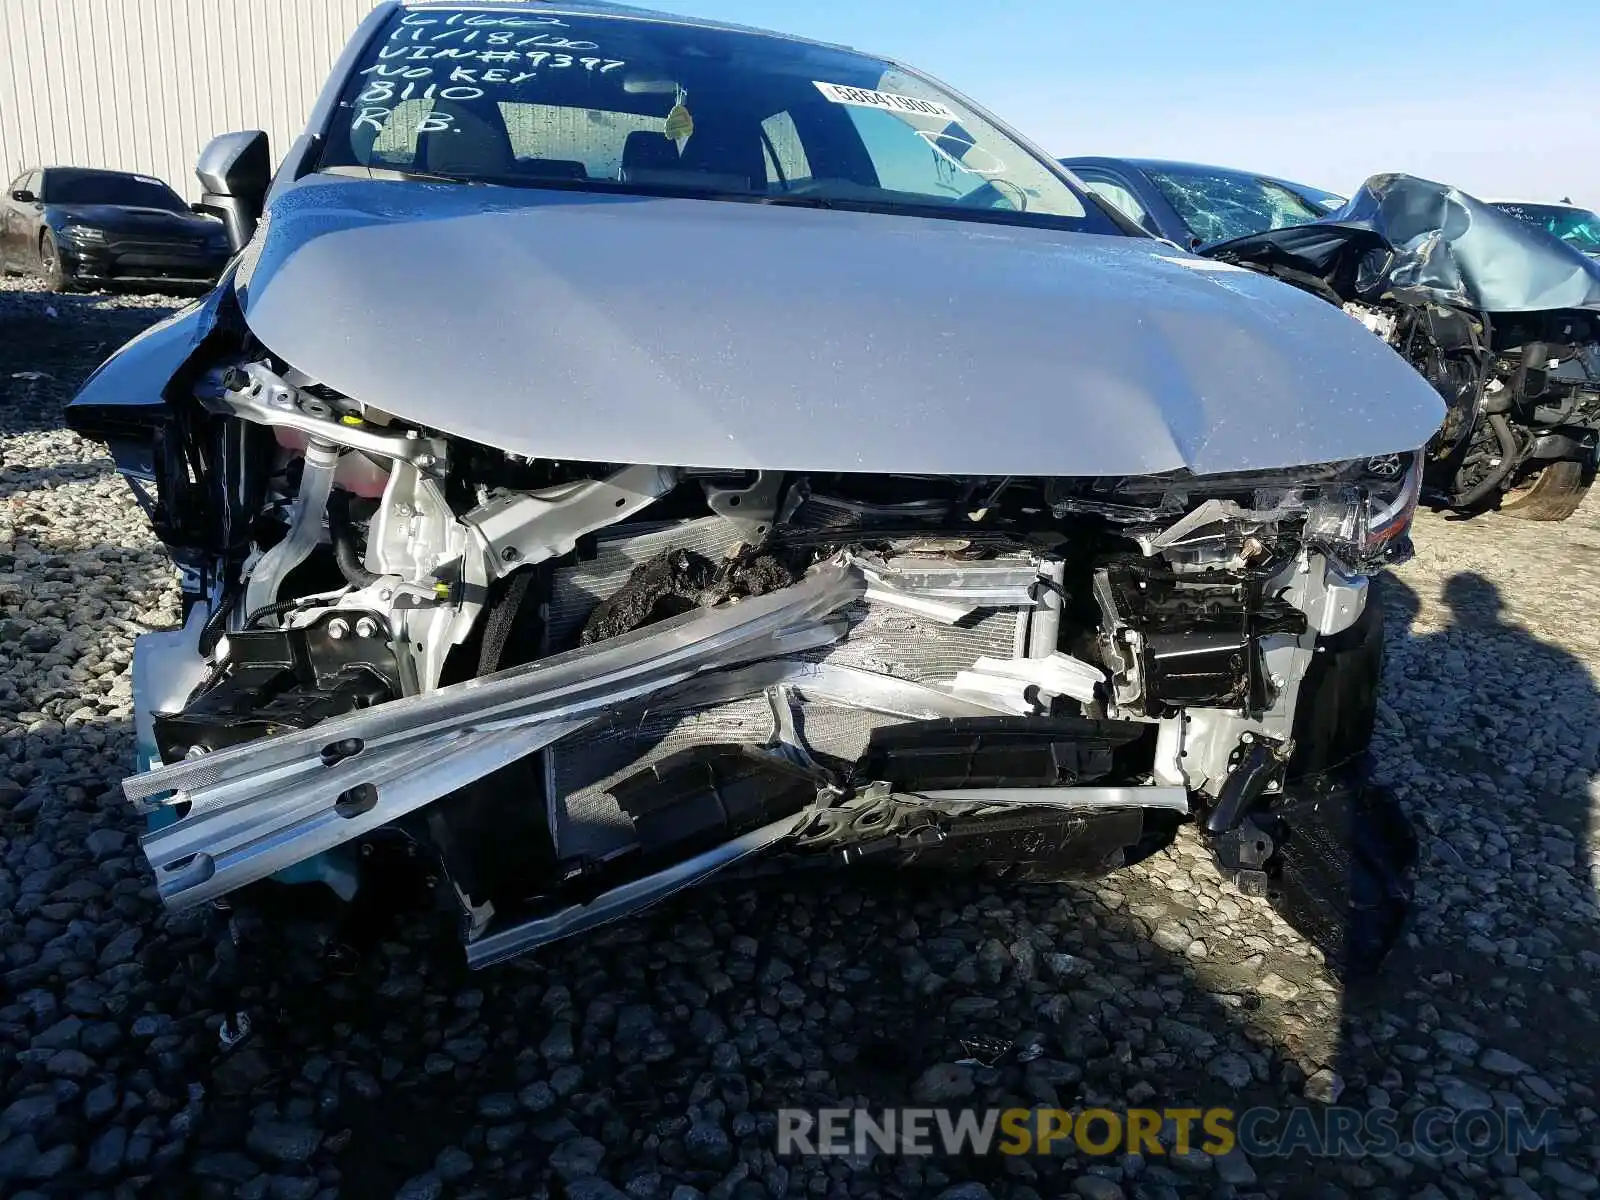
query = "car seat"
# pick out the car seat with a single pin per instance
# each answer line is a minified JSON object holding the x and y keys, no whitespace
{"x":709,"y":161}
{"x":470,"y":146}
{"x":646,"y":154}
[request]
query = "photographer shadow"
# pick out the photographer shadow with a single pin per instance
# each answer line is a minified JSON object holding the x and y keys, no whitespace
{"x":1490,"y":737}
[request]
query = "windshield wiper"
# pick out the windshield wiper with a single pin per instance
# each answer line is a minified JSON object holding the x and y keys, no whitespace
{"x":895,"y":208}
{"x":437,"y":177}
{"x":798,"y":201}
{"x":403,"y":174}
{"x":938,"y":212}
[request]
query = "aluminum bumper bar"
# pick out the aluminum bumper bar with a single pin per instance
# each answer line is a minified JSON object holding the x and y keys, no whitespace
{"x":849,"y":686}
{"x":255,"y":809}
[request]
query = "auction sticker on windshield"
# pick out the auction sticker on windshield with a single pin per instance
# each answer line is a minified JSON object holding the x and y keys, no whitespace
{"x":886,"y":100}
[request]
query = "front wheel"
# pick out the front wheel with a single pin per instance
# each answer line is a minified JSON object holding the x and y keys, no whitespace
{"x":55,"y":275}
{"x":1553,"y":494}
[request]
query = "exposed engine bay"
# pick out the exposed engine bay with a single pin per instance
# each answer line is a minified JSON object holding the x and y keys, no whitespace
{"x":1501,"y":319}
{"x":579,"y":687}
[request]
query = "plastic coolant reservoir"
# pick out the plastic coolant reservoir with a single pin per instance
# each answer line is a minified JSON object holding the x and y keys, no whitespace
{"x":356,"y":474}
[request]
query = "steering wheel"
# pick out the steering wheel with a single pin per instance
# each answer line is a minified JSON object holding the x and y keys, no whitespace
{"x":994,"y":193}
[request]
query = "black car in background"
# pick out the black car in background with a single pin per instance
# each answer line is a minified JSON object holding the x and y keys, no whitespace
{"x":79,"y":227}
{"x":1194,"y":205}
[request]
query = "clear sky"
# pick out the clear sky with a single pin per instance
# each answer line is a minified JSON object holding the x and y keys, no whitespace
{"x":1499,"y":97}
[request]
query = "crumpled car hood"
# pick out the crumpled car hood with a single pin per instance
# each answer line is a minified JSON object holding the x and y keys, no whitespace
{"x":695,"y":333}
{"x":1449,"y":248}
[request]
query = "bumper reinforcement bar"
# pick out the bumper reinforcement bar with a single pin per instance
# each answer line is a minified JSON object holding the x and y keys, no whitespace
{"x":254,"y":809}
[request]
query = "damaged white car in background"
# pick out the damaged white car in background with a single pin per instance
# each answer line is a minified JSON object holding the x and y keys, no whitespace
{"x":626,"y":450}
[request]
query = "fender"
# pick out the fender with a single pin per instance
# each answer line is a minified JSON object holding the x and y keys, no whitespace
{"x":129,"y":394}
{"x":139,"y":402}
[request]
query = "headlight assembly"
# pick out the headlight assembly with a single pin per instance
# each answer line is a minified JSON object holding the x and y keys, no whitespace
{"x":1356,"y":511}
{"x":1364,"y":521}
{"x":85,"y":233}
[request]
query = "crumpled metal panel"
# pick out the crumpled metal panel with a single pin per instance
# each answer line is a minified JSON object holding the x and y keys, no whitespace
{"x":137,"y":375}
{"x":587,"y":765}
{"x":695,"y":333}
{"x":583,"y":767}
{"x":880,"y":639}
{"x":1449,"y":248}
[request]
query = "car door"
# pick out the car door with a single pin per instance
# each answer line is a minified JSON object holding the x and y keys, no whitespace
{"x":10,"y":215}
{"x":25,"y":217}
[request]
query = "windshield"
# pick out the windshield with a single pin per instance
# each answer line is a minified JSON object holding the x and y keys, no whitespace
{"x":95,"y":187}
{"x":1578,"y":227}
{"x":535,"y":99}
{"x":1221,"y":205}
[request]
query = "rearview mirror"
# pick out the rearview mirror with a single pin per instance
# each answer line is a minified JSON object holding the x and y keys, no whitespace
{"x":23,"y":196}
{"x":235,"y":170}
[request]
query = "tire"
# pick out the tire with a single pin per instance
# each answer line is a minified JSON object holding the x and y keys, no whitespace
{"x":1552,"y":495}
{"x":1346,"y":879}
{"x":55,"y":278}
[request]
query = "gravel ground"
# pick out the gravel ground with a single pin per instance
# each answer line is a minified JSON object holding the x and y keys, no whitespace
{"x":647,"y":1063}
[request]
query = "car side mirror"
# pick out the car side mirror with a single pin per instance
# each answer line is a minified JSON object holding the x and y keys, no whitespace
{"x":23,"y":196}
{"x":235,"y":170}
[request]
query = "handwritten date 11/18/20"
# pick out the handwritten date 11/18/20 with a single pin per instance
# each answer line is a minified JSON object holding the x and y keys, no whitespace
{"x":518,"y":40}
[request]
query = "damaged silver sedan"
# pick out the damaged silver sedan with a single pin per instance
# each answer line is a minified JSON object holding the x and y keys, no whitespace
{"x":628,"y":449}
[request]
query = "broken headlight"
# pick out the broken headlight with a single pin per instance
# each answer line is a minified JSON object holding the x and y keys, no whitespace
{"x":1362,"y":519}
{"x":1357,"y":511}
